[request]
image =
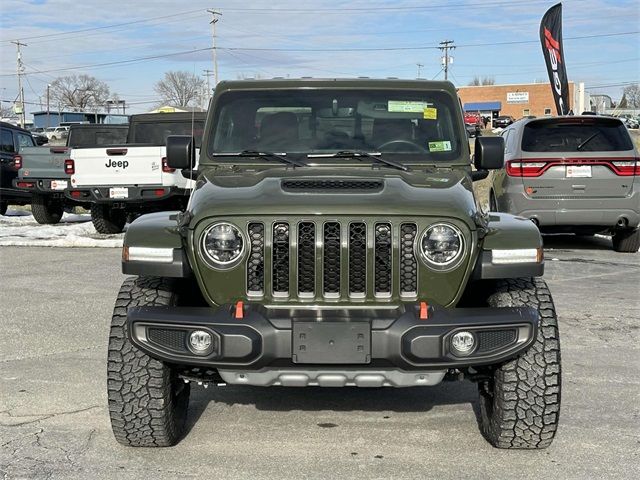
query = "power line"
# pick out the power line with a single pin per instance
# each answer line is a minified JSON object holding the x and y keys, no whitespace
{"x":104,"y":27}
{"x":318,"y":50}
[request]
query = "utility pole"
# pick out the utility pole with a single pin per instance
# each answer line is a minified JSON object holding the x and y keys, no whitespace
{"x":48,"y":99}
{"x":446,"y":58}
{"x":20,"y":65}
{"x":214,"y":19}
{"x":207,"y":74}
{"x":419,"y":65}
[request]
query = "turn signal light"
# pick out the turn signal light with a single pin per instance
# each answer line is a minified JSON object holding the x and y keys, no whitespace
{"x":69,"y":167}
{"x":17,"y":162}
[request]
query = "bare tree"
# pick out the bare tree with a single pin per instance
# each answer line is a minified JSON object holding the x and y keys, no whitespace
{"x":631,"y":94}
{"x":477,"y":81}
{"x":180,"y":88}
{"x":79,"y":92}
{"x":6,"y":111}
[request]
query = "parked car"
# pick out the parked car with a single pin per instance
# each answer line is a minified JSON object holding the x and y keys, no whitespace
{"x":44,"y":172}
{"x":503,"y":121}
{"x":473,"y":123}
{"x":342,"y":260}
{"x":572,"y":174}
{"x":12,"y":140}
{"x":56,"y":133}
{"x":126,"y":180}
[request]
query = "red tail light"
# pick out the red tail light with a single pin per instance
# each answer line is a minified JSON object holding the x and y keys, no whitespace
{"x":626,"y":168}
{"x":516,"y":168}
{"x":165,"y":166}
{"x":25,"y":184}
{"x":17,"y":162}
{"x":76,"y":193}
{"x":159,"y":192}
{"x":534,"y":167}
{"x":69,"y":167}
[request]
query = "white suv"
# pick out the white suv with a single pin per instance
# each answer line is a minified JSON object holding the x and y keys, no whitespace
{"x":56,"y":133}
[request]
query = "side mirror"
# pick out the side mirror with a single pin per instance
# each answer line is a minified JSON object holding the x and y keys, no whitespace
{"x":181,"y":152}
{"x":489,"y":153}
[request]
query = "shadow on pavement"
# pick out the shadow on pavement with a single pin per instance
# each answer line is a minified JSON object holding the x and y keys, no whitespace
{"x":311,"y":399}
{"x":576,"y":242}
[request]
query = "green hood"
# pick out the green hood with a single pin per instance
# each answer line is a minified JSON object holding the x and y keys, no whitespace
{"x":417,"y":193}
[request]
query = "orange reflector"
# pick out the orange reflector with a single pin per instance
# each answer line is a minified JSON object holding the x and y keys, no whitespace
{"x":239,"y":309}
{"x":424,"y":311}
{"x":159,"y":192}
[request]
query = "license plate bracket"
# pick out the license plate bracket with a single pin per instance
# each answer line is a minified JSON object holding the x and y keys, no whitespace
{"x":119,"y":192}
{"x":578,"y":171}
{"x":331,"y":342}
{"x":58,"y":184}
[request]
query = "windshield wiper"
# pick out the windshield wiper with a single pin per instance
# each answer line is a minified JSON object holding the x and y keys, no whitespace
{"x":373,"y":156}
{"x":579,"y":147}
{"x":264,"y":156}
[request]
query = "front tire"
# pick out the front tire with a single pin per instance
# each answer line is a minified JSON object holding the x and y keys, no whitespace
{"x":107,"y":220}
{"x":45,"y":211}
{"x":520,"y":403}
{"x":626,"y":241}
{"x":148,"y":403}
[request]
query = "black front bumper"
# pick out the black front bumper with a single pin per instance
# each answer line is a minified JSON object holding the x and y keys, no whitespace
{"x":136,"y":194}
{"x":369,"y":338}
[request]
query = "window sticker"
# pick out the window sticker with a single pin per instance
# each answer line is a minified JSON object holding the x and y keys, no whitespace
{"x":406,"y":106}
{"x":430,"y":113}
{"x":441,"y":146}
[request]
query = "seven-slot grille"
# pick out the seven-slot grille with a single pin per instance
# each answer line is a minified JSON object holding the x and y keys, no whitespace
{"x":333,"y":259}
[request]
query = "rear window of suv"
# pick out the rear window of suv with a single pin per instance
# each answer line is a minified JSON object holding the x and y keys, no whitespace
{"x":579,"y":135}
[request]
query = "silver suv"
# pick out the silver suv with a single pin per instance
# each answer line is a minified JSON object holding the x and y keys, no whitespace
{"x":575,"y":174}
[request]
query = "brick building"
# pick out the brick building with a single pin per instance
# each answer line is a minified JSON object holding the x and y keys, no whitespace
{"x":517,"y":101}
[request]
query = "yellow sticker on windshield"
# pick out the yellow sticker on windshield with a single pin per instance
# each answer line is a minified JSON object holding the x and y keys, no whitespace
{"x":430,"y":113}
{"x":443,"y":146}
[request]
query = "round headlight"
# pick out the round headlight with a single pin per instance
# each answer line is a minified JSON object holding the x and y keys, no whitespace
{"x":441,"y":245}
{"x":222,"y":244}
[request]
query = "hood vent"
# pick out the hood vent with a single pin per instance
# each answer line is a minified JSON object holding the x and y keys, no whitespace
{"x":349,"y":186}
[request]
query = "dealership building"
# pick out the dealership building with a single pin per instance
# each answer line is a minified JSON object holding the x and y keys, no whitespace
{"x":518,"y":100}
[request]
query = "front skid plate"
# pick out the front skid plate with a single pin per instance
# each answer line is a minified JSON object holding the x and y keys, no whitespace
{"x":332,"y":378}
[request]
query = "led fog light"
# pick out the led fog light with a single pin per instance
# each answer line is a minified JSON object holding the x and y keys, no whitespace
{"x":200,"y":341}
{"x":462,"y":343}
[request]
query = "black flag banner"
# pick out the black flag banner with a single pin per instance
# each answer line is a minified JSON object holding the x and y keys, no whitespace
{"x":551,"y":39}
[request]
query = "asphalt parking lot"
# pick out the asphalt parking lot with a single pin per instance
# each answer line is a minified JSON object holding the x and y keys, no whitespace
{"x":56,"y":307}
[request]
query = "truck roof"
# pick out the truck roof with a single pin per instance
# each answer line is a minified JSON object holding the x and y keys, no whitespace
{"x":343,"y":83}
{"x":167,"y":117}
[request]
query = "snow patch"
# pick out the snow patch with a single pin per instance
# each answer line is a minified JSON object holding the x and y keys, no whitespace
{"x":19,"y":228}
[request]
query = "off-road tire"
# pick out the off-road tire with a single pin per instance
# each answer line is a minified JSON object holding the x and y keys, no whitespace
{"x":107,"y":220}
{"x":147,"y":401}
{"x":520,"y":404}
{"x":46,"y":211}
{"x":3,"y":208}
{"x":626,"y":241}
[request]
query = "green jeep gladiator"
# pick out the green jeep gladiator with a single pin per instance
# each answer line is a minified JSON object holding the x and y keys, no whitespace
{"x":333,"y":239}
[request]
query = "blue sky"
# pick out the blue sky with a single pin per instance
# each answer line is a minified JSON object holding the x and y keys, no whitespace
{"x":285,"y":28}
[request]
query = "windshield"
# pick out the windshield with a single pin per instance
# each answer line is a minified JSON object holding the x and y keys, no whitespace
{"x":594,"y":135}
{"x":96,"y":137}
{"x":418,"y":125}
{"x":156,"y":133}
